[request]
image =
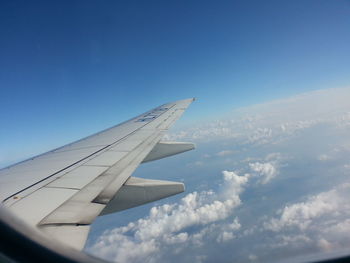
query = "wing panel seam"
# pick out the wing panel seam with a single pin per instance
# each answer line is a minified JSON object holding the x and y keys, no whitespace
{"x":42,"y":180}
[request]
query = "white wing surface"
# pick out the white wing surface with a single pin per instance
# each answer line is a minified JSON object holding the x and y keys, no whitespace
{"x":62,"y":191}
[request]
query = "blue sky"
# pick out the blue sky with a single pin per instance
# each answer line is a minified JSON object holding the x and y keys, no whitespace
{"x":71,"y":68}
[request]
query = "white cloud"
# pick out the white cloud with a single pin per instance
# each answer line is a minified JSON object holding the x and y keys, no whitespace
{"x":179,"y":238}
{"x":224,"y":237}
{"x":235,"y":225}
{"x":167,"y":225}
{"x":226,"y":231}
{"x":266,"y":171}
{"x":275,"y":121}
{"x":252,"y":257}
{"x":324,"y":244}
{"x":224,"y":153}
{"x":213,"y":220}
{"x":235,"y":181}
{"x":210,"y":213}
{"x":198,"y":163}
{"x":295,"y":239}
{"x":313,"y":212}
{"x":336,"y":153}
{"x":260,"y":135}
{"x":273,"y":157}
{"x":320,"y":224}
{"x":324,"y":157}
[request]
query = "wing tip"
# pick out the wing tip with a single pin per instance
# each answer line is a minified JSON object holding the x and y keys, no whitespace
{"x":189,"y":100}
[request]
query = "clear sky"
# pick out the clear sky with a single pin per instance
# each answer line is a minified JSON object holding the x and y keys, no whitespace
{"x":71,"y":68}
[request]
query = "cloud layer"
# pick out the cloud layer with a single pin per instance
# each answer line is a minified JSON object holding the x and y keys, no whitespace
{"x":190,"y":221}
{"x":275,"y":121}
{"x":320,"y":224}
{"x":283,"y":190}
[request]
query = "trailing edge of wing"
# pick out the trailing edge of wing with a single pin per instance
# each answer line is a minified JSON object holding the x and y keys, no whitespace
{"x":165,"y":149}
{"x":139,"y":191}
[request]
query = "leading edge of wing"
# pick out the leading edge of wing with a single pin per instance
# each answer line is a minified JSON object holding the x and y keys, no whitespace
{"x":184,"y":101}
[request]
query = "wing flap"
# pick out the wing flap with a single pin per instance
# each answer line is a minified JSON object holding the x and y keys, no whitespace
{"x":29,"y":210}
{"x":137,"y":156}
{"x":166,"y":149}
{"x":72,"y":235}
{"x":79,"y":177}
{"x":73,"y":213}
{"x":88,"y":203}
{"x":139,"y":191}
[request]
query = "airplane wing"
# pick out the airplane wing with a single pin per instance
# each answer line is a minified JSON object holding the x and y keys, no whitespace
{"x":61,"y":192}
